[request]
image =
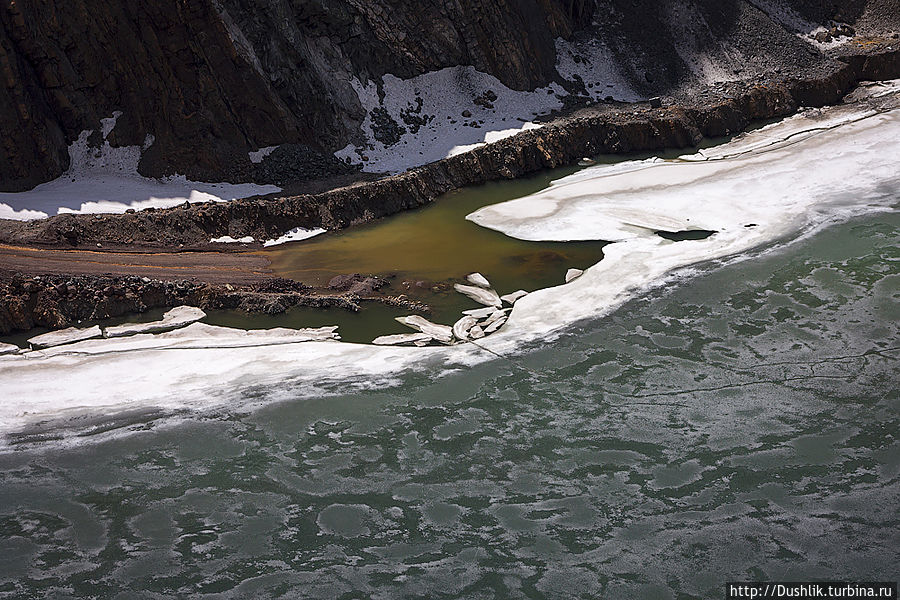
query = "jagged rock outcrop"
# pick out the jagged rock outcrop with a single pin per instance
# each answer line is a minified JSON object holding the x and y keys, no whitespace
{"x":211,"y":80}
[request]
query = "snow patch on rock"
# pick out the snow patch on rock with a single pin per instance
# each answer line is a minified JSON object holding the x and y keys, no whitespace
{"x":227,"y":239}
{"x":260,"y":155}
{"x":294,"y":235}
{"x":415,"y":121}
{"x":105,"y":180}
{"x":593,"y":63}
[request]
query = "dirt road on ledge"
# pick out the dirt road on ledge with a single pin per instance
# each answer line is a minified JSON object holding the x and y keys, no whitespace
{"x":209,"y":267}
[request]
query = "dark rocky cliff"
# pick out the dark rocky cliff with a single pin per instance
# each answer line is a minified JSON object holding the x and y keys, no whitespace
{"x":200,"y":83}
{"x":211,"y":81}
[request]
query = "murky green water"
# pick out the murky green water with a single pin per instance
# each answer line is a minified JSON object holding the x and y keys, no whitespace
{"x":422,"y":253}
{"x":740,"y":425}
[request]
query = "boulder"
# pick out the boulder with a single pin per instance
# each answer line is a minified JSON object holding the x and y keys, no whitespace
{"x":476,"y":333}
{"x":8,"y":349}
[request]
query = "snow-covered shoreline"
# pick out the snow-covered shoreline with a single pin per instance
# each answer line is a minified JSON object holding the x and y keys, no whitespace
{"x":775,"y":184}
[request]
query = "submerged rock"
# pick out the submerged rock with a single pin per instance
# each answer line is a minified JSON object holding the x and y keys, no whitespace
{"x":478,"y":279}
{"x":65,"y":336}
{"x":461,"y":328}
{"x":481,"y":295}
{"x":573,"y":274}
{"x":441,"y":333}
{"x":513,"y":297}
{"x":178,"y":317}
{"x":402,"y":339}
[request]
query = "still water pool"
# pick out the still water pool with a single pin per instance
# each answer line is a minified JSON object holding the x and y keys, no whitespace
{"x":739,"y":425}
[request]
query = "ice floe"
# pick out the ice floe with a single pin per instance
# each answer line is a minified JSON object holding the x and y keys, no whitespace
{"x":479,"y":294}
{"x":180,"y":316}
{"x":462,"y":327}
{"x":403,"y":339}
{"x":573,"y":274}
{"x":511,"y":298}
{"x":441,"y":333}
{"x":478,"y":279}
{"x":65,"y":336}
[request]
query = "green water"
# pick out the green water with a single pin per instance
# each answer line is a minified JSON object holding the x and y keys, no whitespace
{"x":422,"y":253}
{"x":743,"y":424}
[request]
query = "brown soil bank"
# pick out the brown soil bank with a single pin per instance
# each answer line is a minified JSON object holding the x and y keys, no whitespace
{"x":604,"y":128}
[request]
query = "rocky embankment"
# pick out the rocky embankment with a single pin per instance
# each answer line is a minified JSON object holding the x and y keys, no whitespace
{"x":606,"y":128}
{"x":57,"y":301}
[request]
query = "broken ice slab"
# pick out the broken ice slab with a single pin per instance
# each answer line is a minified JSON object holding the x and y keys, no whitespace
{"x":513,"y":297}
{"x":461,"y":328}
{"x":441,"y":333}
{"x":495,"y":325}
{"x":178,"y":317}
{"x":480,"y":313}
{"x":573,"y":274}
{"x":478,"y":279}
{"x":65,"y":336}
{"x":480,"y":295}
{"x":402,"y":339}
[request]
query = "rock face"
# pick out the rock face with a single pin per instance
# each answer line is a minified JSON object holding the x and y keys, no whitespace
{"x":211,"y":80}
{"x":200,"y":84}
